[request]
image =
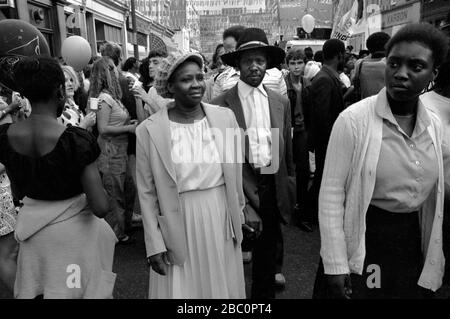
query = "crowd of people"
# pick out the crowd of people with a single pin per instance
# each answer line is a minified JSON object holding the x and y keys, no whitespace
{"x":355,"y":145}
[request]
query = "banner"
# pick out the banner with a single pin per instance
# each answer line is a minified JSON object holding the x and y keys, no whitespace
{"x":347,"y":14}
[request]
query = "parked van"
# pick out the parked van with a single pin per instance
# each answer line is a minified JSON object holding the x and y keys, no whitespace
{"x":315,"y":45}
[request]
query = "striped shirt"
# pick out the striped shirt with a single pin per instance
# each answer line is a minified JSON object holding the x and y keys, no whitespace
{"x":273,"y":80}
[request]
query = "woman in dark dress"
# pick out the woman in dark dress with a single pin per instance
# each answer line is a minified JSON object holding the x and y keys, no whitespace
{"x":65,"y":248}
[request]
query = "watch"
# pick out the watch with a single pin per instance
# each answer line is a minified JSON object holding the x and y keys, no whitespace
{"x":3,"y":114}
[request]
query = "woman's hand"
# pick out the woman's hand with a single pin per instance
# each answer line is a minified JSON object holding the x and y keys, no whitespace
{"x":88,"y":121}
{"x":339,"y":286}
{"x":159,"y":263}
{"x":139,"y":92}
{"x":132,"y":126}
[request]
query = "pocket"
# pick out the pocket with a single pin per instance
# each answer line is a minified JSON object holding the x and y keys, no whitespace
{"x":173,"y":233}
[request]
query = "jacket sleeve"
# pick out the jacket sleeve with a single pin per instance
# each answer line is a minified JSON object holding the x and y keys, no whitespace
{"x":239,"y":157}
{"x":332,"y":197}
{"x":446,"y":156}
{"x":323,"y":116}
{"x":148,"y":199}
{"x":288,"y":140}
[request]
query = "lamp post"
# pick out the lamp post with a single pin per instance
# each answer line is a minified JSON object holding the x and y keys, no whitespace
{"x":134,"y":31}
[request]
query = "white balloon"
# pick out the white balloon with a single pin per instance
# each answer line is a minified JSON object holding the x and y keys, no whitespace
{"x":76,"y":52}
{"x":308,"y":23}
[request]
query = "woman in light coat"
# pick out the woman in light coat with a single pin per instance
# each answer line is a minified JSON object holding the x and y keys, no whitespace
{"x":191,"y":198}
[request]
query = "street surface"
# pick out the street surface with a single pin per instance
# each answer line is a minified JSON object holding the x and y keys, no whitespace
{"x":300,"y":264}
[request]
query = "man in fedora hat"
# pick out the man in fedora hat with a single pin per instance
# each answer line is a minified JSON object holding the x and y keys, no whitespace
{"x":273,"y":78}
{"x":265,"y":116}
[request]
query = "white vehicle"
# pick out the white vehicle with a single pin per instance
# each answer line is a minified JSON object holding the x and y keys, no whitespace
{"x":315,"y":45}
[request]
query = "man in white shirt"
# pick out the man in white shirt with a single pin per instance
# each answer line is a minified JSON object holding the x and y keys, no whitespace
{"x":273,"y":78}
{"x":265,"y":116}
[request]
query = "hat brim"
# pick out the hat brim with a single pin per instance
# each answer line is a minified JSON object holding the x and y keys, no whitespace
{"x":275,"y":54}
{"x":189,"y":56}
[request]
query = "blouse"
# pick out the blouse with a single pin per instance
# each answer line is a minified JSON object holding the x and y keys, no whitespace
{"x":196,"y":159}
{"x":407,"y":167}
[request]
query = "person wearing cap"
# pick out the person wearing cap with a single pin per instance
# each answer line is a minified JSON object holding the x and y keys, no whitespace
{"x":191,"y":198}
{"x":266,"y":117}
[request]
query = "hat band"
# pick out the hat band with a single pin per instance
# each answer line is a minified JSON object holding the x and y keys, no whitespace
{"x":252,"y":43}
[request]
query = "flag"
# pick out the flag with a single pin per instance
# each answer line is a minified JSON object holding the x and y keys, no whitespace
{"x":345,"y":18}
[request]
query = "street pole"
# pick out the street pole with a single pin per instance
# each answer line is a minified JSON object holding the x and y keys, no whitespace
{"x":134,"y":40}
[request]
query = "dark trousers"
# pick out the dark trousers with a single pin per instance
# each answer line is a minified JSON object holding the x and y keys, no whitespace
{"x":393,"y":260}
{"x":301,"y":159}
{"x":264,"y":252}
{"x":279,"y":256}
{"x":313,"y":193}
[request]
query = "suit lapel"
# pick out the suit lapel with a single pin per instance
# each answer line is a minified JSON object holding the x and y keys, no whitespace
{"x":234,"y":103}
{"x":159,"y":131}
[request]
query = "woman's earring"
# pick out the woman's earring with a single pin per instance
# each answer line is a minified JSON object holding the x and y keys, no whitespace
{"x":430,"y":87}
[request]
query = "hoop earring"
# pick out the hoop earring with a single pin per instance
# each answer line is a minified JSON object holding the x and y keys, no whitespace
{"x":430,"y":87}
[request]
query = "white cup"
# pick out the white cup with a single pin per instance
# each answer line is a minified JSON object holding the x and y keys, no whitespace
{"x":93,"y":104}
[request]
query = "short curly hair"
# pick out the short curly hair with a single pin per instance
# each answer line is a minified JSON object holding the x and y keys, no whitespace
{"x":425,"y":34}
{"x":376,"y":42}
{"x":295,"y":54}
{"x":38,"y":78}
{"x":234,"y":32}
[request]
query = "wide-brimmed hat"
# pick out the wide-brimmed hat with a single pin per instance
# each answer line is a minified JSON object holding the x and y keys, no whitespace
{"x":255,"y":39}
{"x":168,"y":66}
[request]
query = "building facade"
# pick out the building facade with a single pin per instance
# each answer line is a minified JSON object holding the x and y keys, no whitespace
{"x":184,"y":15}
{"x":382,"y":15}
{"x":218,"y":15}
{"x":95,"y":20}
{"x":435,"y":11}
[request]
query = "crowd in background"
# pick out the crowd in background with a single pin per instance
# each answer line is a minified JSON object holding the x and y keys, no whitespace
{"x":363,"y":151}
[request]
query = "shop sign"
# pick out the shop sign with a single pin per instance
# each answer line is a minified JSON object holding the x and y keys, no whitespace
{"x":409,"y":14}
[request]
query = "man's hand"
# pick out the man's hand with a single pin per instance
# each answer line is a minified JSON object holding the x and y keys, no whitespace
{"x":253,"y":224}
{"x":159,"y":263}
{"x":15,"y":106}
{"x":339,"y":286}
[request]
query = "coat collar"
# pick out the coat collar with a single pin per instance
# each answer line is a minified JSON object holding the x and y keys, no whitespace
{"x":383,"y":110}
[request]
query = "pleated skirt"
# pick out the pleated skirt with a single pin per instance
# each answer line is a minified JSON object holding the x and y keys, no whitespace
{"x":213,"y":268}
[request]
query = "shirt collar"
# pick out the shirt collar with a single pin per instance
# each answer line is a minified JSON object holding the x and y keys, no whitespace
{"x":245,"y":89}
{"x":384,"y":111}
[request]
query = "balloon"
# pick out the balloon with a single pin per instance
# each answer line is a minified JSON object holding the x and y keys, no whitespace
{"x":76,"y":51}
{"x":18,"y":39}
{"x":308,"y":23}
